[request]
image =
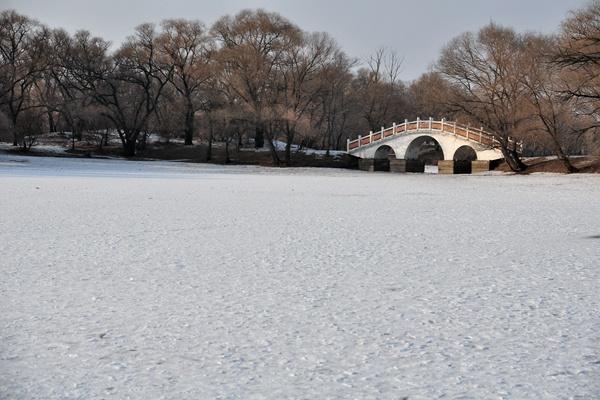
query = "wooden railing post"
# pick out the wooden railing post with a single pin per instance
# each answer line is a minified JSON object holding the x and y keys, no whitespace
{"x":393,"y":129}
{"x":454,"y":130}
{"x":405,"y":125}
{"x":418,"y":123}
{"x":430,"y":122}
{"x":359,"y":141}
{"x":442,"y":126}
{"x":370,"y":137}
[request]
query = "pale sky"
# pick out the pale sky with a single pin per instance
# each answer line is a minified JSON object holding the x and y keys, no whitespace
{"x":415,"y":29}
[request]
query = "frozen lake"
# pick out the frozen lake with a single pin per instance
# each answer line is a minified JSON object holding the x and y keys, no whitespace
{"x":156,"y":280}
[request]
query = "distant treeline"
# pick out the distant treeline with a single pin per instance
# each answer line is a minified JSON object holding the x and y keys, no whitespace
{"x":257,"y":75}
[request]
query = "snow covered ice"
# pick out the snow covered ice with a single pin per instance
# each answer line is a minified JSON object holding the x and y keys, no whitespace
{"x":156,"y":280}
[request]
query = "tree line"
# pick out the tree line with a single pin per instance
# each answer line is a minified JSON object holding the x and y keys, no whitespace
{"x":257,"y":75}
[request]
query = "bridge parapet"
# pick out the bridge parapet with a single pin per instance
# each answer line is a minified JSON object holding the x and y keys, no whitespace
{"x":471,"y":134}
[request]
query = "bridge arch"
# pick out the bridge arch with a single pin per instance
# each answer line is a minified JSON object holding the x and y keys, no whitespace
{"x":383,"y":154}
{"x":450,"y":136}
{"x":425,"y":148}
{"x":465,"y":153}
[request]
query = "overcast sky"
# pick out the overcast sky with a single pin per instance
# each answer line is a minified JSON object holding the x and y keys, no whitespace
{"x":416,"y":29}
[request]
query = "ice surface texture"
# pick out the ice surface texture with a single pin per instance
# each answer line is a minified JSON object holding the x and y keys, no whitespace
{"x":156,"y":280}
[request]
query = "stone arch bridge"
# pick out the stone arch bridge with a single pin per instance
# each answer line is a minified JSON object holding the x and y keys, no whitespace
{"x":408,"y":147}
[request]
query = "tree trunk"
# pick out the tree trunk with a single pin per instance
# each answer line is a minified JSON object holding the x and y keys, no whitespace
{"x":210,"y":142}
{"x":338,"y":141}
{"x":563,"y":157}
{"x":288,"y":154}
{"x":568,"y":165}
{"x":144,"y":141}
{"x":28,"y":143}
{"x":273,"y":150}
{"x":259,"y":136}
{"x":288,"y":145}
{"x":51,"y":122}
{"x":129,"y":147}
{"x":513,"y":159}
{"x":15,"y":133}
{"x":565,"y":160}
{"x":189,"y":124}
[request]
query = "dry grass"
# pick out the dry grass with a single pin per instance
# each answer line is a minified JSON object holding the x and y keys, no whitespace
{"x":585,"y":164}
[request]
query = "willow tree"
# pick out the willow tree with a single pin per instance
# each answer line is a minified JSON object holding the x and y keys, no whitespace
{"x":336,"y":107}
{"x":126,"y":85}
{"x":578,"y":56}
{"x":187,"y":46}
{"x":487,"y":70}
{"x":301,"y":82}
{"x":558,"y":118}
{"x":23,"y":60}
{"x":252,"y":49}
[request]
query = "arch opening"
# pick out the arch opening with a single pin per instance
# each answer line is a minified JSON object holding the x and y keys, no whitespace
{"x":426,"y":150}
{"x":382,"y":158}
{"x":465,"y":153}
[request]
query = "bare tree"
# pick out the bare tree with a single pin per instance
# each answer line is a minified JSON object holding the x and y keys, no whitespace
{"x":379,"y":89}
{"x":336,"y":105}
{"x":253,"y":44}
{"x":188,"y":48}
{"x":429,"y":96}
{"x":300,"y":82}
{"x":578,"y":56}
{"x":487,"y":70}
{"x":127,"y":85}
{"x":545,"y":81}
{"x":58,"y":90}
{"x":258,"y":68}
{"x":23,"y":59}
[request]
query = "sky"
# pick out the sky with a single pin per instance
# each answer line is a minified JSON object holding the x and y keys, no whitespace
{"x":416,"y":29}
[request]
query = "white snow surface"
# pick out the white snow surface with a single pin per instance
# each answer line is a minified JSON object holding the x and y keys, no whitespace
{"x":280,"y":146}
{"x":157,"y":280}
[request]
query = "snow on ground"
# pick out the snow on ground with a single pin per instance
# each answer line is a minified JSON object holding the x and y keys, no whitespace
{"x":50,"y":148}
{"x":156,"y":280}
{"x":280,"y":146}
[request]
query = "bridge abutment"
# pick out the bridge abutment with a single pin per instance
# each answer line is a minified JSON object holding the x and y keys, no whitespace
{"x":463,"y":167}
{"x":375,"y":164}
{"x":366,"y":164}
{"x":449,"y":167}
{"x":445,"y":167}
{"x":480,"y":166}
{"x":402,"y":166}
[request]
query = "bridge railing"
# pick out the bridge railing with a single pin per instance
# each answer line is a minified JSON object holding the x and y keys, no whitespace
{"x":443,"y":126}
